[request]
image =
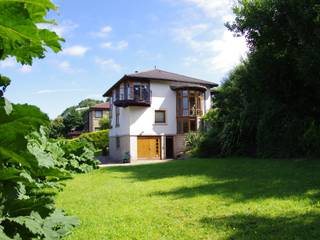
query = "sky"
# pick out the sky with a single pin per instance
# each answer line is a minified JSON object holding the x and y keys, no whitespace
{"x":107,"y":39}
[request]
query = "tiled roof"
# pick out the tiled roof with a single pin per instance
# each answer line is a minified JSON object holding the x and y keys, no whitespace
{"x":164,"y":75}
{"x":157,"y":74}
{"x":105,"y":106}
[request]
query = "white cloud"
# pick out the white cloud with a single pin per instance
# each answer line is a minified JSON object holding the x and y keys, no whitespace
{"x":65,"y":66}
{"x":103,"y":32}
{"x":50,"y":91}
{"x":106,"y":45}
{"x":189,"y":33}
{"x":76,"y":51}
{"x":108,"y":64}
{"x":117,"y":46}
{"x":220,"y":52}
{"x":63,"y":29}
{"x":8,"y":63}
{"x":214,"y":8}
{"x":228,"y":52}
{"x":26,"y":69}
{"x":106,"y":29}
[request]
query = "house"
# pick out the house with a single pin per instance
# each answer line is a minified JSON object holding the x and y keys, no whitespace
{"x":95,"y":114}
{"x":152,"y":111}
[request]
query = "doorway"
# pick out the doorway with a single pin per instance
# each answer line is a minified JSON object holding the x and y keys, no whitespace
{"x":169,"y":147}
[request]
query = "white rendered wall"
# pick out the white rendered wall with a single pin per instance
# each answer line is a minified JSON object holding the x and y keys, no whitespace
{"x":142,"y":119}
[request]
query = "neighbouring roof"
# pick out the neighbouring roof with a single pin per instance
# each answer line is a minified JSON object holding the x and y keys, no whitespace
{"x":158,"y":74}
{"x":101,"y":106}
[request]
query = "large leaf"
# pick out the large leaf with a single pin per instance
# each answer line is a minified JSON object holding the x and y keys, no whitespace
{"x":58,"y":224}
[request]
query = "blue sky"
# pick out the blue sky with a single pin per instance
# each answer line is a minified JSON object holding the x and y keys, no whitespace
{"x":106,"y":39}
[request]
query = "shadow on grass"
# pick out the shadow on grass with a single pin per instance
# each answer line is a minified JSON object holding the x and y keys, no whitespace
{"x":242,"y":180}
{"x":252,"y":227}
{"x":239,"y":179}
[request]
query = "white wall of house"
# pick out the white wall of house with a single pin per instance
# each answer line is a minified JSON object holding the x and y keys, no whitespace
{"x":137,"y":120}
{"x":142,"y":119}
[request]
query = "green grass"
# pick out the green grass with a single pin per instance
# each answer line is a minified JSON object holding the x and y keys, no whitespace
{"x":198,"y":199}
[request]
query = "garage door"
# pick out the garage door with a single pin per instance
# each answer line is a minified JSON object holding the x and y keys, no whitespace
{"x":149,"y":148}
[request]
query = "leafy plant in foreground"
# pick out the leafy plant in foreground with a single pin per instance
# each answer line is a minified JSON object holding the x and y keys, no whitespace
{"x":29,"y":179}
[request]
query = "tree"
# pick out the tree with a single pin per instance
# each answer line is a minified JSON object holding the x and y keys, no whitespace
{"x":269,"y":105}
{"x":73,"y":121}
{"x":104,"y":123}
{"x":57,"y":128}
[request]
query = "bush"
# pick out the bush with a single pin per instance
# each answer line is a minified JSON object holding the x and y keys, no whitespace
{"x":100,"y":140}
{"x":80,"y":155}
{"x":29,"y":178}
{"x":193,"y":140}
{"x":311,"y":139}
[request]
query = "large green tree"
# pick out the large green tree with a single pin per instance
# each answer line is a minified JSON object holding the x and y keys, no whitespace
{"x":269,"y":106}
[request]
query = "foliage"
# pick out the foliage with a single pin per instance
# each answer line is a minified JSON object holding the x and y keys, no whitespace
{"x":56,"y":128}
{"x":29,"y":179}
{"x":271,"y":100}
{"x":72,"y":118}
{"x":105,"y":123}
{"x":228,"y":198}
{"x":79,"y":155}
{"x":21,"y":37}
{"x":73,"y":121}
{"x":99,"y":139}
{"x":193,"y":140}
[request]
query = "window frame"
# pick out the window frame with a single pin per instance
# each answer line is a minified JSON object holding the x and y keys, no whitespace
{"x":187,"y":115}
{"x":117,"y":109}
{"x":164,"y":116}
{"x":118,"y":144}
{"x":98,"y":111}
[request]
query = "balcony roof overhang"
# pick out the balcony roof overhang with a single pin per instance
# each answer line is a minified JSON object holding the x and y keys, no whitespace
{"x":188,"y":86}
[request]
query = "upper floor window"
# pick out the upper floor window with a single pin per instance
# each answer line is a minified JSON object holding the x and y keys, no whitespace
{"x":117,"y":116}
{"x":160,"y":116}
{"x":98,"y":114}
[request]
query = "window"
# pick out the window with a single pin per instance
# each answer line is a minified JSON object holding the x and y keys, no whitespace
{"x":98,"y":114}
{"x":160,"y":116}
{"x":117,"y":116}
{"x":189,"y":108}
{"x":118,"y":142}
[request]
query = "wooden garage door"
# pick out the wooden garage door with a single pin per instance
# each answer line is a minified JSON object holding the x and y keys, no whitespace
{"x":149,"y":148}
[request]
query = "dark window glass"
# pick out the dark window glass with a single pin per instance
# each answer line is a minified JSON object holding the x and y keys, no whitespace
{"x":160,"y":116}
{"x":185,"y":125}
{"x":117,"y":117}
{"x":179,"y":129}
{"x":98,"y":114}
{"x":193,"y":125}
{"x":118,"y":142}
{"x":136,"y":91}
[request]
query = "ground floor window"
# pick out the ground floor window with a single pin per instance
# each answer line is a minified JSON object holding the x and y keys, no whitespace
{"x":160,"y":116}
{"x":118,"y":142}
{"x":186,"y":124}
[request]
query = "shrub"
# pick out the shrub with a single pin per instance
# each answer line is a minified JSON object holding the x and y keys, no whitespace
{"x":79,"y":155}
{"x":99,"y":139}
{"x":29,"y":178}
{"x":193,"y":140}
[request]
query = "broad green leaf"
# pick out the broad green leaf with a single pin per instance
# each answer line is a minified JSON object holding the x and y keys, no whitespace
{"x":59,"y":225}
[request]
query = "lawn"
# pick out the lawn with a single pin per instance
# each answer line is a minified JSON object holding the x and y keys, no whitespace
{"x":198,"y":199}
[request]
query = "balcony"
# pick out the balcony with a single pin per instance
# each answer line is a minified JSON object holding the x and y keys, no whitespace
{"x":139,"y":95}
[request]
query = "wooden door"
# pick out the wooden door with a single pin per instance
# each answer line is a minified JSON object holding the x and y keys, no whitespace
{"x":149,"y":148}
